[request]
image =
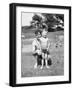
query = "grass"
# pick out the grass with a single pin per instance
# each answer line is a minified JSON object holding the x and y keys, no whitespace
{"x":28,"y":61}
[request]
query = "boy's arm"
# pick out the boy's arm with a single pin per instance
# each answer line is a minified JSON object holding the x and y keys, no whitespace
{"x":49,"y":44}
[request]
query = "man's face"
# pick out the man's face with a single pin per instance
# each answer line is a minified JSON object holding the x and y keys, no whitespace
{"x":38,"y":35}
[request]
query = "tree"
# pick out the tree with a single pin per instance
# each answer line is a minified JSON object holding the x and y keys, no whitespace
{"x":36,"y":21}
{"x":52,"y":21}
{"x":37,"y":18}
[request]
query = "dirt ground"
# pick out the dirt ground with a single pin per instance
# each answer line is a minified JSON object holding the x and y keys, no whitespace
{"x":56,"y":51}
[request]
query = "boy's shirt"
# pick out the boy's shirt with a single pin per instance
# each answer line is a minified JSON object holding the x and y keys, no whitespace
{"x":35,"y":45}
{"x":45,"y":43}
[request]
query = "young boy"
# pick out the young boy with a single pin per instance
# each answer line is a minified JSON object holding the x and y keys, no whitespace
{"x":36,"y":49}
{"x":45,"y":44}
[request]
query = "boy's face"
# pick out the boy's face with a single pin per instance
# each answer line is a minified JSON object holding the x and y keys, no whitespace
{"x":38,"y":35}
{"x":44,"y":34}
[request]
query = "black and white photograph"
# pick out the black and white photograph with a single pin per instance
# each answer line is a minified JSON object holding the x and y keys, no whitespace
{"x":41,"y":44}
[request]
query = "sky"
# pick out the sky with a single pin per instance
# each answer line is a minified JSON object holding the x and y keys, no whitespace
{"x":26,"y":18}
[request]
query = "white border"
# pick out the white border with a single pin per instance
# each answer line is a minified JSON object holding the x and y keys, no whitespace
{"x":20,"y":80}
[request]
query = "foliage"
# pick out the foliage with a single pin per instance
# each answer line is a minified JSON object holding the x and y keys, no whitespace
{"x":53,"y":21}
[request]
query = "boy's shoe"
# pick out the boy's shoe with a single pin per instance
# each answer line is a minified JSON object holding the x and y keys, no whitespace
{"x":41,"y":67}
{"x":47,"y":67}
